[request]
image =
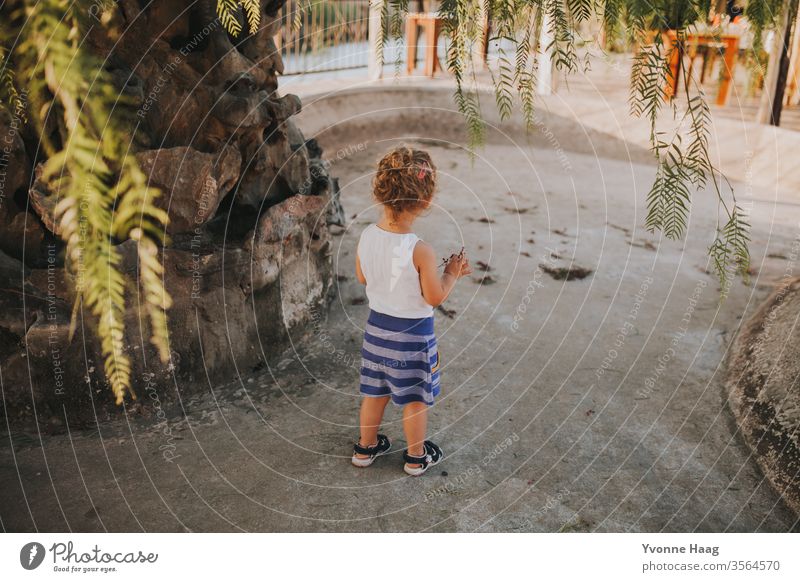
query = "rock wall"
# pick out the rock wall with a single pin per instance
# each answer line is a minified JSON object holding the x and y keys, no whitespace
{"x":249,"y":200}
{"x":763,"y":375}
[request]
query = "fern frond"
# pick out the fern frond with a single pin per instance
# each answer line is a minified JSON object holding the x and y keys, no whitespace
{"x":228,"y":14}
{"x":102,"y":193}
{"x":10,"y":98}
{"x":580,"y":10}
{"x":157,"y":301}
{"x":460,"y":26}
{"x":612,"y":18}
{"x":562,"y":45}
{"x":300,"y":8}
{"x":383,"y":35}
{"x":730,"y":252}
{"x":397,"y":10}
{"x":252,"y":11}
{"x":503,"y":85}
{"x":669,"y":198}
{"x":649,"y":75}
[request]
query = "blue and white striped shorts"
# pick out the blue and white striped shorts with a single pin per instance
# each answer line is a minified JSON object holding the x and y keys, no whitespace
{"x":400,"y":358}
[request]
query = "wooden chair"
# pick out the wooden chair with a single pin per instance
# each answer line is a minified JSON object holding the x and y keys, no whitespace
{"x":432,"y":28}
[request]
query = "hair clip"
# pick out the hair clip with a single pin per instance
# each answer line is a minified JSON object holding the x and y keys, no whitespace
{"x":423,"y":168}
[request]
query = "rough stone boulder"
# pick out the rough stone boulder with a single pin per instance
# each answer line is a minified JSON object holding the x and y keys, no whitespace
{"x":249,"y":198}
{"x":763,"y":380}
{"x":233,"y":307}
{"x":14,"y":163}
{"x":21,"y":233}
{"x":42,"y":201}
{"x":193,"y":183}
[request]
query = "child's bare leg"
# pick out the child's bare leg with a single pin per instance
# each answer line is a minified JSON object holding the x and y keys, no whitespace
{"x":370,"y":418}
{"x":415,"y":423}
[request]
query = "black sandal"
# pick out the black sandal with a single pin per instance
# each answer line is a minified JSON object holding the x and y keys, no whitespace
{"x":433,"y":455}
{"x":384,"y":444}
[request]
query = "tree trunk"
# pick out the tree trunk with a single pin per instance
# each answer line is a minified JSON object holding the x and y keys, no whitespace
{"x":783,"y":71}
{"x":766,"y":107}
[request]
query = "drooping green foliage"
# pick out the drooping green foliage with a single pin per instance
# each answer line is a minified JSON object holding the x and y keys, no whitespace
{"x":684,"y":163}
{"x":763,"y":15}
{"x":462,"y":24}
{"x":230,"y":13}
{"x":10,"y":97}
{"x":102,"y":196}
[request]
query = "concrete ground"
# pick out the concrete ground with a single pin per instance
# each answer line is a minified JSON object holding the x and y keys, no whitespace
{"x":592,"y":404}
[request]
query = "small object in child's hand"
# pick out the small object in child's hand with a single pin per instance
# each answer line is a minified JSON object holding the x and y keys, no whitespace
{"x":446,"y":260}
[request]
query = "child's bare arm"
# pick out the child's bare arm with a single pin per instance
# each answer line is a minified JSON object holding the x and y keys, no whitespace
{"x":435,"y":288}
{"x":359,"y":274}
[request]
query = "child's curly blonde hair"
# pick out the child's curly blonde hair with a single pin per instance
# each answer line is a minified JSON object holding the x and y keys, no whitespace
{"x":405,"y":180}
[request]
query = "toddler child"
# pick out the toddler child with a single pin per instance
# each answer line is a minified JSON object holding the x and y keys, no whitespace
{"x":400,"y":359}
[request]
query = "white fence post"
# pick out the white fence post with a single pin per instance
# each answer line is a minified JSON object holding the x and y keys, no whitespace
{"x":479,"y":48}
{"x":375,"y":66}
{"x":546,"y":79}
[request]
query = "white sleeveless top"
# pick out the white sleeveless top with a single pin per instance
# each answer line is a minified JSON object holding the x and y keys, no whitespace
{"x":387,"y":261}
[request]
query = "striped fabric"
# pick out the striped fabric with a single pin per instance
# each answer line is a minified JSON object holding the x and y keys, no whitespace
{"x":400,"y":358}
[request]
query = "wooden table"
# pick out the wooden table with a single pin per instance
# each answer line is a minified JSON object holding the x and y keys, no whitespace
{"x":432,"y":26}
{"x":731,"y":44}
